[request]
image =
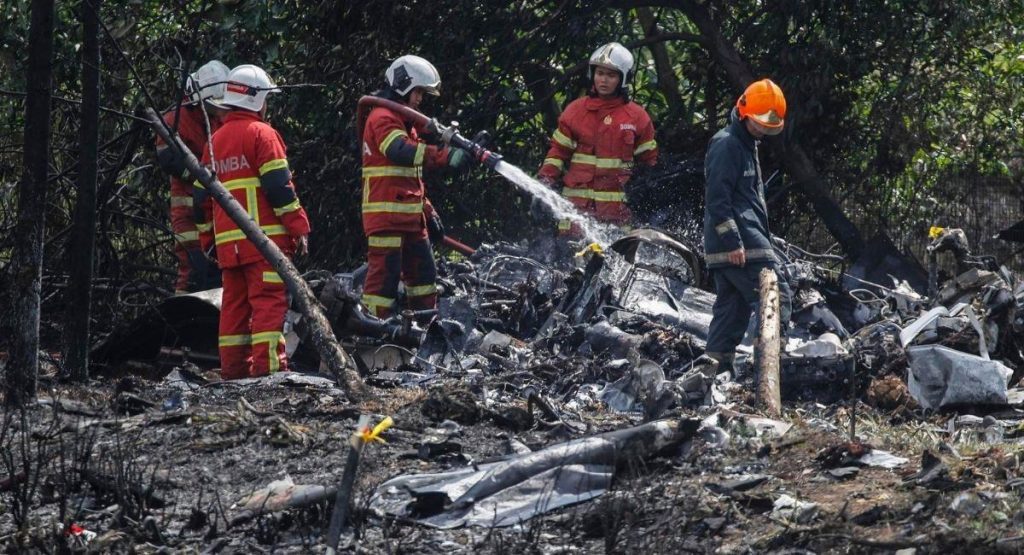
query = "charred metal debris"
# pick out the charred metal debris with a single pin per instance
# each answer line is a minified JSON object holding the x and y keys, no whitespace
{"x":626,"y":327}
{"x":601,"y":351}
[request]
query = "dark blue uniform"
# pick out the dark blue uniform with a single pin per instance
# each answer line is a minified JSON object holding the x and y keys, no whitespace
{"x":735,"y":216}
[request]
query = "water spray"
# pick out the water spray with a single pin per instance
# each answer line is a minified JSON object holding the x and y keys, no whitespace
{"x":559,"y":206}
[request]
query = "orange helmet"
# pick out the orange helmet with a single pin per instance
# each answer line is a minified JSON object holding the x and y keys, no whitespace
{"x":764,"y":103}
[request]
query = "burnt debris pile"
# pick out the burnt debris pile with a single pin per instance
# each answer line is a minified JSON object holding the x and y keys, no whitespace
{"x":562,"y":388}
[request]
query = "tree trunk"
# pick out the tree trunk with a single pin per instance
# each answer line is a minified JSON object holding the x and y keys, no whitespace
{"x":339,"y":363}
{"x":27,"y":256}
{"x":538,"y":82}
{"x":767,"y":346}
{"x":667,"y":82}
{"x":790,"y":153}
{"x":82,"y":243}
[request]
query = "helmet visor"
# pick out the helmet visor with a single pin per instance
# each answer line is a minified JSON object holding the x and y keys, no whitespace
{"x":769,"y":119}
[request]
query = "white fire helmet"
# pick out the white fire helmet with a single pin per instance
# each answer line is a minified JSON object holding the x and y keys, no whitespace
{"x":248,"y":87}
{"x":408,"y":72}
{"x":612,"y":56}
{"x":208,"y":82}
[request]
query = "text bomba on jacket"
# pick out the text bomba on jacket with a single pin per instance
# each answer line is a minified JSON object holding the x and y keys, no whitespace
{"x":234,"y":163}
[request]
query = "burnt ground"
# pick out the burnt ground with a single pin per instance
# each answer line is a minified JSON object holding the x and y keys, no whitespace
{"x":149,"y":468}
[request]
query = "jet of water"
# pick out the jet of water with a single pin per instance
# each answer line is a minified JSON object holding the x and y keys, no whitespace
{"x":593,"y":231}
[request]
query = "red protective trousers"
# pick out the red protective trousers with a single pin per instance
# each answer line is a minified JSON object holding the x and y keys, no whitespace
{"x":404,"y":255}
{"x":186,"y":236}
{"x":190,"y":124}
{"x":251,"y":319}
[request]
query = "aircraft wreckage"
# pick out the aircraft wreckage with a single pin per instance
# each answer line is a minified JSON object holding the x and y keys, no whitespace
{"x":624,"y":329}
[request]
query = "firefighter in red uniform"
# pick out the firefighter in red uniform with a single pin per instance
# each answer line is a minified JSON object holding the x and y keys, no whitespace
{"x":204,"y":89}
{"x":249,"y":159}
{"x":398,"y":219}
{"x":599,"y":138}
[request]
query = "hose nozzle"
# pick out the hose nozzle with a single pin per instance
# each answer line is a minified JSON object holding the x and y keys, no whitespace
{"x":490,"y":159}
{"x":451,"y":136}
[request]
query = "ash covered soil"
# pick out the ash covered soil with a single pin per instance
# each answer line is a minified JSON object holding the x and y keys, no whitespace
{"x":149,"y":468}
{"x":597,"y":371}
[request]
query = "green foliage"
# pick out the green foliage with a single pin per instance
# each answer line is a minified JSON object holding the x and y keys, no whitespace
{"x":891,"y":98}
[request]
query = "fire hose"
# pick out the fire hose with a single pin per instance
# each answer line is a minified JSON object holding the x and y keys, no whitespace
{"x":449,"y":135}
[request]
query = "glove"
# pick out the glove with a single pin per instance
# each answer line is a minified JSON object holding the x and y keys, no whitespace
{"x":435,"y":229}
{"x":203,"y":273}
{"x":548,"y":181}
{"x":459,"y":159}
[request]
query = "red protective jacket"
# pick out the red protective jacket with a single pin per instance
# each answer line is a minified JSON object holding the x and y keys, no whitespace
{"x":191,"y":127}
{"x":252,"y":165}
{"x":393,"y":193}
{"x":599,"y":140}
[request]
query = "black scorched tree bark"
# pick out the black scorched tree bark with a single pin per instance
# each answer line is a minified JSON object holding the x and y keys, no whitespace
{"x":83,"y":240}
{"x":27,"y":258}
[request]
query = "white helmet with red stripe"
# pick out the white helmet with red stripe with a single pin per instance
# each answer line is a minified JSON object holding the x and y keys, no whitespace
{"x":207,"y":83}
{"x":612,"y":56}
{"x":408,"y":72}
{"x":248,"y":87}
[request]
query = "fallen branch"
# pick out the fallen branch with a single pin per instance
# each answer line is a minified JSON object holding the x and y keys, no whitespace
{"x":766,"y":348}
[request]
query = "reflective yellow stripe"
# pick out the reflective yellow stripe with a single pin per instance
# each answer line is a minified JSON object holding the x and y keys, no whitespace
{"x":727,"y":226}
{"x":198,"y":184}
{"x":242,"y":183}
{"x":272,"y":165}
{"x":186,"y":236}
{"x":238,"y":234}
{"x":252,"y":206}
{"x":554,"y":162}
{"x":181,"y":201}
{"x":372,"y":301}
{"x":599,"y":196}
{"x":750,"y":254}
{"x":272,"y":338}
{"x":290,"y":207}
{"x":592,"y":160}
{"x":608,"y":196}
{"x":421,"y":150}
{"x":562,"y":139}
{"x":386,"y":143}
{"x":396,"y":207}
{"x":265,"y":336}
{"x":272,"y":277}
{"x":421,"y":290}
{"x":204,"y":227}
{"x":564,"y":225}
{"x":249,"y":185}
{"x":644,"y":147}
{"x":234,"y":340}
{"x":390,"y":171}
{"x":385,"y":241}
